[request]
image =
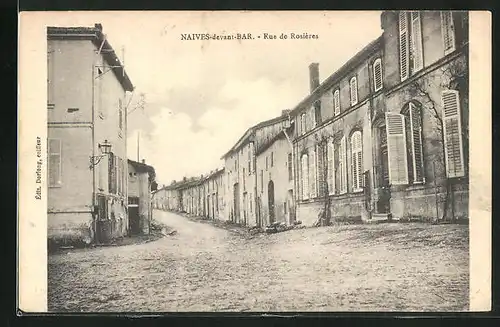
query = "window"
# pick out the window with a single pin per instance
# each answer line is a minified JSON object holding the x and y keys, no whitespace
{"x":55,"y":162}
{"x":357,"y":161}
{"x":305,"y":177}
{"x":342,"y":166}
{"x":353,"y":89}
{"x":317,"y":112}
{"x":410,"y":44}
{"x":303,"y":123}
{"x":290,"y":167}
{"x":452,"y":132}
{"x":396,"y":148}
{"x":330,"y":176}
{"x":112,"y":173}
{"x":244,"y":180}
{"x":413,"y":126}
{"x":377,"y":74}
{"x":267,"y":163}
{"x":312,"y":174}
{"x":272,"y":159}
{"x":448,"y":31}
{"x":336,"y":102}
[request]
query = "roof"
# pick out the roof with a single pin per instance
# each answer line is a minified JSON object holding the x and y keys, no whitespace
{"x":95,"y":35}
{"x":143,"y":168}
{"x":251,"y":130}
{"x":333,"y":78}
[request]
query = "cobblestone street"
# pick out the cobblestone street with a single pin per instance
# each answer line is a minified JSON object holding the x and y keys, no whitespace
{"x":408,"y":267}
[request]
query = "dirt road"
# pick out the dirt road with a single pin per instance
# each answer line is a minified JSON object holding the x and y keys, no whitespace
{"x":409,"y":267}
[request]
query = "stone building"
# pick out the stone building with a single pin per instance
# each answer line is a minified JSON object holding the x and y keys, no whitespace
{"x":369,"y":142}
{"x":87,"y":133}
{"x":242,"y":199}
{"x":141,"y":182}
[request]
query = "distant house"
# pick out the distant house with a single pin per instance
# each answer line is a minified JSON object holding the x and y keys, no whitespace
{"x":141,"y":182}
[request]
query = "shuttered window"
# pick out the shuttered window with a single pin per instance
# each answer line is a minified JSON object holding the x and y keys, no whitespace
{"x":413,"y":121}
{"x":452,"y":130}
{"x":317,"y":112}
{"x":305,"y":177}
{"x":336,"y":102}
{"x":312,"y":174}
{"x":320,"y":170}
{"x":416,"y":41}
{"x":448,"y":31}
{"x":112,"y":173}
{"x":55,"y":162}
{"x":331,"y":169}
{"x":396,"y":148}
{"x":353,"y":88}
{"x":377,"y":74}
{"x":343,"y":165}
{"x":404,"y":63}
{"x":357,"y":161}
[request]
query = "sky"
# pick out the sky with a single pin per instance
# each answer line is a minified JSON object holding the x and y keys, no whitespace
{"x":201,"y":96}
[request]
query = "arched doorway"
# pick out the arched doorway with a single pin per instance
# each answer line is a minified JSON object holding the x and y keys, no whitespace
{"x":270,"y":196}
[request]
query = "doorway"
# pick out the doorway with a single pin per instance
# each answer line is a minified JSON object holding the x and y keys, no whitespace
{"x":236,"y":205}
{"x":133,"y":215}
{"x":383,"y":189}
{"x":270,"y":196}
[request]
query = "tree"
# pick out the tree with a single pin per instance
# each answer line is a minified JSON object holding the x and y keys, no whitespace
{"x":452,"y":76}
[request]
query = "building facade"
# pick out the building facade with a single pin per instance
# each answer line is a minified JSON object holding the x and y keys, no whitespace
{"x":87,"y":132}
{"x":386,"y":136}
{"x":141,"y":182}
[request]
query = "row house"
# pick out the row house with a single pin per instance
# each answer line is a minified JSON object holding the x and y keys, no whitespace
{"x":141,"y":182}
{"x":246,"y":204}
{"x":387,"y":134}
{"x":87,"y":89}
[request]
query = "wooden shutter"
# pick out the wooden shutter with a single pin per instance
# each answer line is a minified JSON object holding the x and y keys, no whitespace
{"x":55,"y":162}
{"x":312,"y":174}
{"x":377,"y":74}
{"x":331,"y":170}
{"x":305,"y":177}
{"x":320,"y":154}
{"x":404,"y":63}
{"x":336,"y":102}
{"x":112,"y":173}
{"x":353,"y":87}
{"x":396,"y":148}
{"x":452,"y":130}
{"x":416,"y":41}
{"x":342,"y":165}
{"x":356,"y":151}
{"x":416,"y":143}
{"x":448,"y":31}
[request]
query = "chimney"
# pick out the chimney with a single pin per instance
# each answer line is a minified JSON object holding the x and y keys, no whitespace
{"x":143,"y":161}
{"x":285,"y":112}
{"x":313,"y":76}
{"x":98,"y":26}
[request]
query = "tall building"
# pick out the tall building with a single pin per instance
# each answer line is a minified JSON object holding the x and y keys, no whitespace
{"x":87,"y":133}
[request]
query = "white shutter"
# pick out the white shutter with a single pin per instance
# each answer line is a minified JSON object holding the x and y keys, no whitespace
{"x":396,"y":148}
{"x":416,"y":135}
{"x":353,"y":85}
{"x":55,"y":162}
{"x":336,"y":102}
{"x":305,"y":177}
{"x":377,"y":74}
{"x":331,"y":169}
{"x":356,"y":151}
{"x":404,"y":63}
{"x":452,"y":130}
{"x":416,"y":41}
{"x":342,"y":165}
{"x":448,"y":31}
{"x":312,"y":173}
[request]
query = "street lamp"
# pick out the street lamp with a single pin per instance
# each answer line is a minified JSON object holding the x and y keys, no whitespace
{"x":105,"y":149}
